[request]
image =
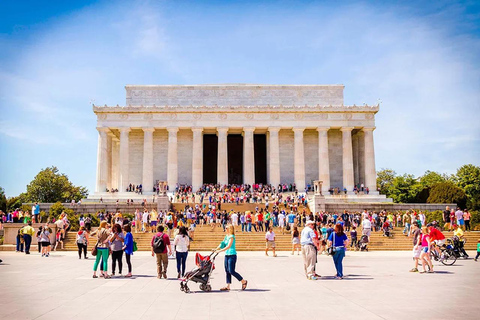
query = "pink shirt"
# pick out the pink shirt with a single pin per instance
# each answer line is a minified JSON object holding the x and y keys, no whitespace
{"x":424,"y":240}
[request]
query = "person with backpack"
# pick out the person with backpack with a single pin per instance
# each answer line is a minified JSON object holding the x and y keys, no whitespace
{"x":88,"y":223}
{"x":44,"y":240}
{"x":102,"y":245}
{"x":82,"y":242}
{"x":161,"y":249}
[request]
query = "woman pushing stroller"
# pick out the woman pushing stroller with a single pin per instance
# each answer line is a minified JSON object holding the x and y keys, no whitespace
{"x":228,"y":245}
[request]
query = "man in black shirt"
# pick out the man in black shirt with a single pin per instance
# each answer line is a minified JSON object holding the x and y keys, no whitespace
{"x":446,"y":219}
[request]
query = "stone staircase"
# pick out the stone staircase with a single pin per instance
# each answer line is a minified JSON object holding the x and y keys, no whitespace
{"x":205,"y":239}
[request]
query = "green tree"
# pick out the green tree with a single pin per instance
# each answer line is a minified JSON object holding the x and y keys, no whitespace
{"x":431,"y":178}
{"x":51,"y":186}
{"x":468,"y":178}
{"x":447,"y":192}
{"x":404,"y":188}
{"x":16,"y":202}
{"x":3,"y":200}
{"x":385,"y":179}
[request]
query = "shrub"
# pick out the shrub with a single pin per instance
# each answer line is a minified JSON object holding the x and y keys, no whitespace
{"x":447,"y":192}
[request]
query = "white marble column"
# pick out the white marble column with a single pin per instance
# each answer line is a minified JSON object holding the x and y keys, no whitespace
{"x":248,"y":156}
{"x":299,"y":159}
{"x":124,"y":159}
{"x":109,"y":159}
{"x":370,"y":173}
{"x":274,"y":156}
{"x":197,"y":158}
{"x":347,"y":159}
{"x":102,"y":160}
{"x":115,"y":161}
{"x":323,"y":159}
{"x":222,"y":168}
{"x":172,"y":164}
{"x":147,"y":172}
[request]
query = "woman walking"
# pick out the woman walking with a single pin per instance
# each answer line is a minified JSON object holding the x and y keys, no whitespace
{"x":425,"y":255}
{"x":45,"y":241}
{"x":102,"y":249}
{"x":296,"y":241}
{"x":338,"y":240}
{"x":128,"y":248}
{"x":228,"y":245}
{"x":82,"y":242}
{"x":181,"y":243}
{"x":117,"y":240}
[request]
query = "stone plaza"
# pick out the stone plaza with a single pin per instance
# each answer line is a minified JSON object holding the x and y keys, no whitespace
{"x":236,"y":134}
{"x":377,"y":286}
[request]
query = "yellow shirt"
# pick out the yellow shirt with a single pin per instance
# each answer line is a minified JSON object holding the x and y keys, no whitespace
{"x":458,"y":233}
{"x":28,"y":230}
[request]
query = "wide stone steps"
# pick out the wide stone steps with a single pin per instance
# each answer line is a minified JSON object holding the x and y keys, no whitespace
{"x":204,"y":239}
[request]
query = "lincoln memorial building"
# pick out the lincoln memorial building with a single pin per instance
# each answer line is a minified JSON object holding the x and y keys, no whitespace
{"x":234,"y":134}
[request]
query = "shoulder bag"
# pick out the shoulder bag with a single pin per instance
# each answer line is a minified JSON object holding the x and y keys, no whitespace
{"x":331,"y":250}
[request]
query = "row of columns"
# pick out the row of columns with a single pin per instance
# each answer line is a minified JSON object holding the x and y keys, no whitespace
{"x":103,"y":163}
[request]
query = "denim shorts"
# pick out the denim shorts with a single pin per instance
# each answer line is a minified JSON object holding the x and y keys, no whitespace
{"x":425,"y":249}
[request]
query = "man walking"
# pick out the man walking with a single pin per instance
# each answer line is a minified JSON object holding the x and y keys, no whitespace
{"x":28,"y":231}
{"x":270,"y":241}
{"x":160,"y":248}
{"x":309,"y":242}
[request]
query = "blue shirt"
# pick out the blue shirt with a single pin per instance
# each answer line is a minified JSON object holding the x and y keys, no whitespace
{"x":230,"y":251}
{"x":128,"y":243}
{"x":291,"y":218}
{"x":307,"y":236}
{"x":37,"y":209}
{"x":338,"y":239}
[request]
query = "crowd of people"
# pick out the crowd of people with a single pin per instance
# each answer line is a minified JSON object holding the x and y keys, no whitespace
{"x":173,"y":231}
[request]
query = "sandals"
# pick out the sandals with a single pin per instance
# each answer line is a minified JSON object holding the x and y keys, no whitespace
{"x":107,"y":276}
{"x":244,"y":285}
{"x":95,"y":276}
{"x":224,"y":289}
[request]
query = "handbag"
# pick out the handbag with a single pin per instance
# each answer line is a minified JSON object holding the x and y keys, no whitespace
{"x":94,"y":250}
{"x":331,"y":250}
{"x":135,"y":248}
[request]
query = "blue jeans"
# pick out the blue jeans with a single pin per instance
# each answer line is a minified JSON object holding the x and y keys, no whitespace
{"x":338,"y":259}
{"x":181,"y":260}
{"x":230,"y":262}
{"x":28,"y":240}
{"x":19,"y":244}
{"x":244,"y":227}
{"x":249,"y":227}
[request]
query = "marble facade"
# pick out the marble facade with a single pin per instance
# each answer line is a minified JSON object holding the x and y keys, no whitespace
{"x":310,"y":135}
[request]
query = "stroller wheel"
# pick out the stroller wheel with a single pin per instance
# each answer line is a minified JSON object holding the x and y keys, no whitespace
{"x":208,"y":288}
{"x":203,"y":287}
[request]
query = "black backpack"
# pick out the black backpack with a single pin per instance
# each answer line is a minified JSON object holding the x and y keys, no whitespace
{"x":159,"y":244}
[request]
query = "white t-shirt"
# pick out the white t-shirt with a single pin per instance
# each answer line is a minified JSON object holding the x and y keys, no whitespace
{"x":181,"y":243}
{"x":145,"y":217}
{"x":281,"y":217}
{"x":235,"y":218}
{"x":270,"y":236}
{"x":366,"y":224}
{"x":459,"y":215}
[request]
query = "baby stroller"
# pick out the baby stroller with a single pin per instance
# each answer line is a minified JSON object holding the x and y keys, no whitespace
{"x":458,"y":247}
{"x":362,"y":244}
{"x":200,"y":274}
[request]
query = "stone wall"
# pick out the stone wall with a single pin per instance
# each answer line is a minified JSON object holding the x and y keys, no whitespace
{"x":335,"y":158}
{"x":160,"y":155}
{"x":135,"y":157}
{"x":185,"y":150}
{"x":339,"y":207}
{"x":310,"y":141}
{"x":286,"y":142}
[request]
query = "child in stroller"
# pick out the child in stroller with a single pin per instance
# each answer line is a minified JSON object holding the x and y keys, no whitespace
{"x":362,"y":245}
{"x":201,"y":274}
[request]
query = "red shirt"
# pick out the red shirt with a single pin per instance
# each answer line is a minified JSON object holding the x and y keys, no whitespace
{"x":435,"y":234}
{"x":166,"y":240}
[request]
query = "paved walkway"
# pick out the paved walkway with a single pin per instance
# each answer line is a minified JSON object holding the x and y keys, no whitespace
{"x":378,"y":286}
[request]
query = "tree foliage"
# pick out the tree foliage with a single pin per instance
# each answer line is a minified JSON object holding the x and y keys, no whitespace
{"x":385,"y":179}
{"x":447,"y":192}
{"x":3,"y":200}
{"x":51,"y":186}
{"x":468,"y":178}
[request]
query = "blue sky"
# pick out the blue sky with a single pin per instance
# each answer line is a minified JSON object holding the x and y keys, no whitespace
{"x":420,"y":58}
